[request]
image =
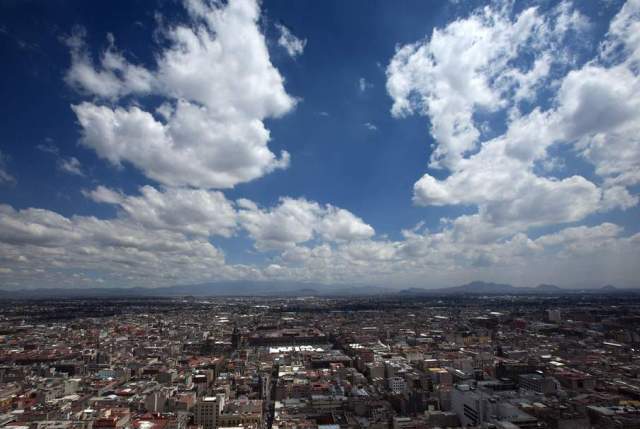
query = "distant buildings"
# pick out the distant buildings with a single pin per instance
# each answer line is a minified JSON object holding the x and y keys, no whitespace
{"x":554,"y":315}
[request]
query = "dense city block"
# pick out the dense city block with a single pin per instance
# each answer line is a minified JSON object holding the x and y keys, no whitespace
{"x":502,"y":362}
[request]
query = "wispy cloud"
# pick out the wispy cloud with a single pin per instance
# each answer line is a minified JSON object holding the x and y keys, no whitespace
{"x":70,"y":165}
{"x":363,"y":85}
{"x":5,"y":177}
{"x":293,"y":45}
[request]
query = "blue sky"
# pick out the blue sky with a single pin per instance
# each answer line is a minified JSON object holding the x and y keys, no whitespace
{"x":416,"y":144}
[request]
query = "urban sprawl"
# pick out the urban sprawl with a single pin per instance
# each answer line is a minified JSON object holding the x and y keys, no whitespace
{"x":502,"y":362}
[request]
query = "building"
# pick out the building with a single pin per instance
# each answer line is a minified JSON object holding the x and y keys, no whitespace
{"x":246,"y":413}
{"x":397,"y":384}
{"x":538,"y":383}
{"x":476,"y":406}
{"x":468,"y":405}
{"x":554,"y":315}
{"x":206,"y":411}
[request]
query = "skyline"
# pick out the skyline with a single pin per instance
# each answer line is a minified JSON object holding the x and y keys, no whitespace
{"x":423,"y":145}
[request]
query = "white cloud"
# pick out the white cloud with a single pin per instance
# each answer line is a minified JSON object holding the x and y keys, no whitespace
{"x":593,"y":255}
{"x":104,"y":195}
{"x":219,"y":86}
{"x":297,"y":221}
{"x":161,"y":237}
{"x":600,"y":110}
{"x":197,"y":212}
{"x":617,"y":197}
{"x":70,"y":165}
{"x":194,"y":212}
{"x":444,"y":78}
{"x":37,"y":239}
{"x":293,"y":45}
{"x":191,"y":149}
{"x":145,"y":245}
{"x":468,"y":68}
{"x":507,"y":192}
{"x":624,"y":35}
{"x":581,"y":236}
{"x":369,"y":251}
{"x":370,"y":126}
{"x":451,"y":256}
{"x":114,"y":78}
{"x":336,"y":224}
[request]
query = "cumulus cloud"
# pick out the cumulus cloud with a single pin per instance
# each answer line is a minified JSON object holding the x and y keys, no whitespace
{"x":473,"y":67}
{"x":483,"y":82}
{"x":507,"y":193}
{"x":197,"y":212}
{"x":468,"y":67}
{"x":293,"y":45}
{"x":162,"y":236}
{"x":194,"y":212}
{"x":460,"y":251}
{"x":218,"y":86}
{"x":623,"y":39}
{"x":147,"y":245}
{"x":461,"y":68}
{"x":113,"y":77}
{"x":600,"y":111}
{"x":581,"y":236}
{"x":295,"y":221}
{"x":38,"y":240}
{"x":201,"y":214}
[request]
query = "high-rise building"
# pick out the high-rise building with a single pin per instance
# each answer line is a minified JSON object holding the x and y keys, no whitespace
{"x":206,"y":412}
{"x":235,"y":338}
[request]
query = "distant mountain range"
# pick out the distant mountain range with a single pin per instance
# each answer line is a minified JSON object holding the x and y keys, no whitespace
{"x":230,"y":288}
{"x":294,"y":289}
{"x":479,"y":288}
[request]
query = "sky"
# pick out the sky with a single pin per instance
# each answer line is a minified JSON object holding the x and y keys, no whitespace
{"x":410,"y":144}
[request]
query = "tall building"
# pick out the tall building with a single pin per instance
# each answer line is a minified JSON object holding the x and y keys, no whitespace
{"x":235,"y":338}
{"x":468,"y":405}
{"x":206,"y":412}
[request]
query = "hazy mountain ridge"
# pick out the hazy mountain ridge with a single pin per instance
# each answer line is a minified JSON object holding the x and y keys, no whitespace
{"x":293,"y":289}
{"x":478,"y":287}
{"x":231,"y":288}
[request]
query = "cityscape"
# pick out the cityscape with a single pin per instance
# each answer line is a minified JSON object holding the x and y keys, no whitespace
{"x":320,"y":214}
{"x":387,"y":362}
